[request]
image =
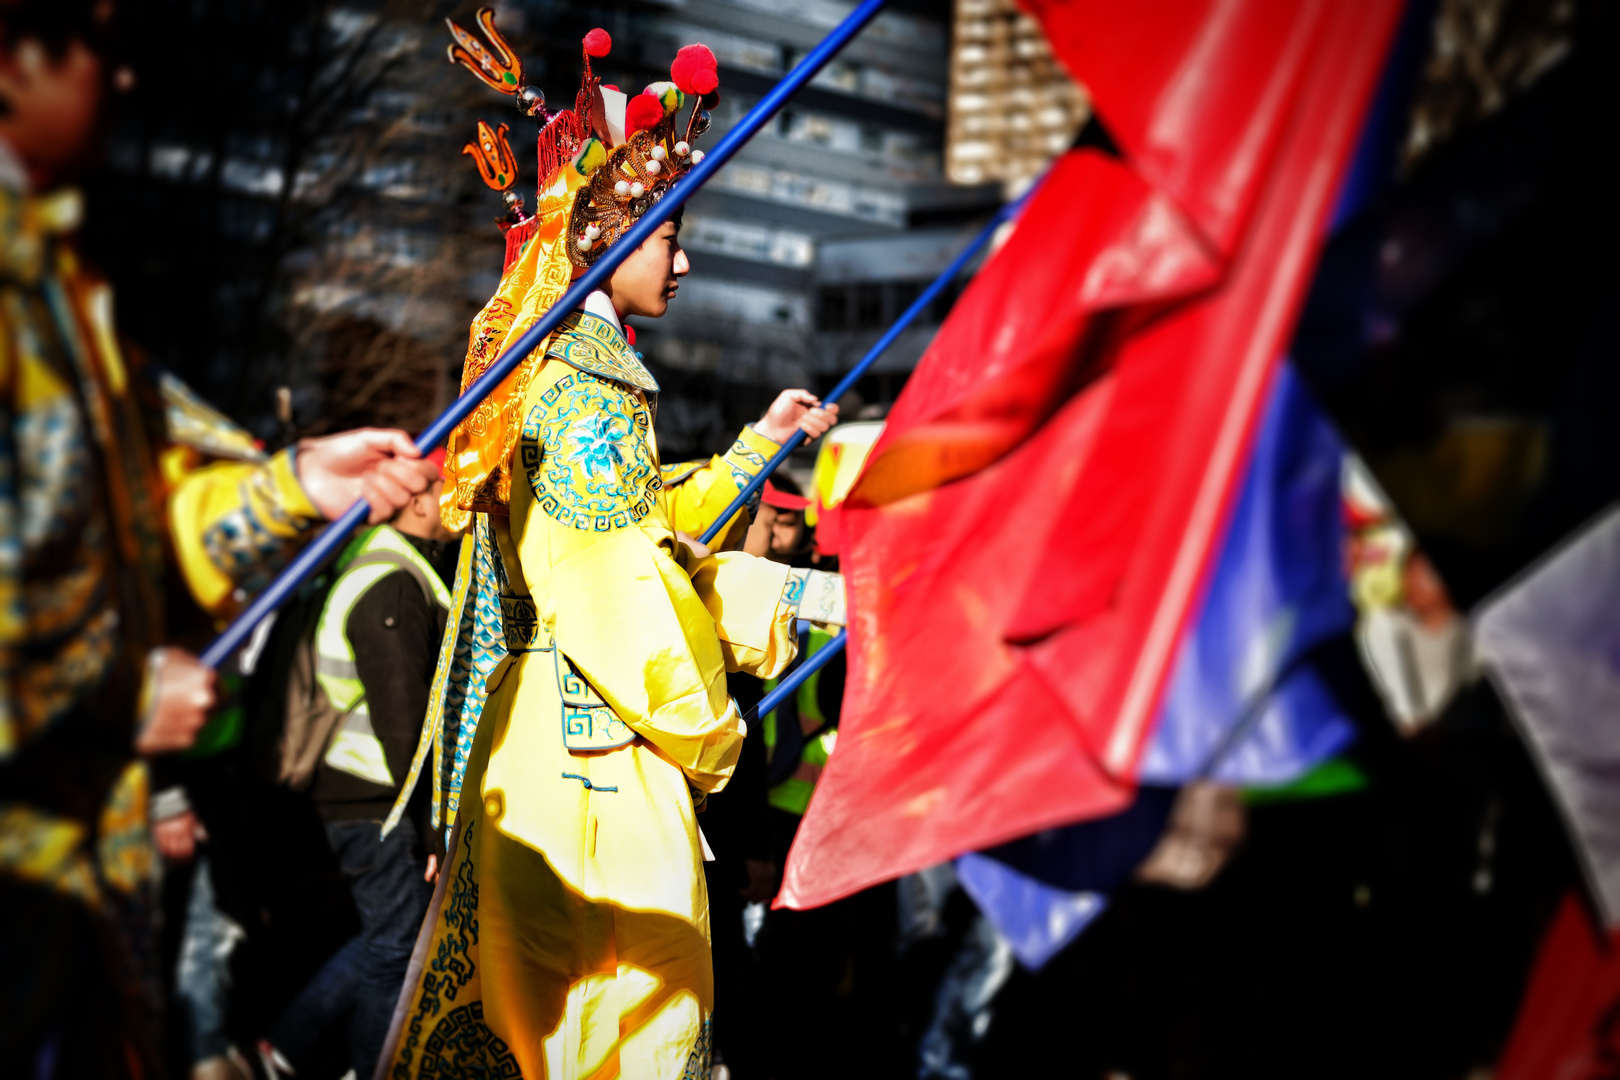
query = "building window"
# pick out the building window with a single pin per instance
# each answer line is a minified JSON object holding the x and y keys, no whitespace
{"x":869,"y":305}
{"x":834,"y":308}
{"x":905,"y":294}
{"x":874,"y":305}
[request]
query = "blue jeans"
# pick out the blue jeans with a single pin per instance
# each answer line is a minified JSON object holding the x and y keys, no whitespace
{"x":362,"y":981}
{"x":203,"y":984}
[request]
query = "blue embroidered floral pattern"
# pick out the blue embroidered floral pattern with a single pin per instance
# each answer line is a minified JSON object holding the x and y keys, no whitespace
{"x":598,"y":444}
{"x":585,"y":449}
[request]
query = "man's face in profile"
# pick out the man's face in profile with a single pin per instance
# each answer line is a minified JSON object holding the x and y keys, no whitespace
{"x":787,"y":530}
{"x":775,"y":534}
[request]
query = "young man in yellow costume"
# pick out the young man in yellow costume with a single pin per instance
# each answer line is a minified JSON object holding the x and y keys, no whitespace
{"x":569,"y":936}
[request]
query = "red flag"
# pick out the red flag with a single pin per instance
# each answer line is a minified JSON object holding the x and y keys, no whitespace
{"x":1569,"y":1024}
{"x":1029,"y":535}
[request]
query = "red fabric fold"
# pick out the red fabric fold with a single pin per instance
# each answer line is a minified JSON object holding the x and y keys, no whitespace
{"x":516,"y":237}
{"x":1195,"y":92}
{"x":1004,"y":359}
{"x":1031,"y":532}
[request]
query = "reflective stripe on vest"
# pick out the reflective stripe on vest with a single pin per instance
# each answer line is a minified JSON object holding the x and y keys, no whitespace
{"x":355,"y":748}
{"x":793,"y":794}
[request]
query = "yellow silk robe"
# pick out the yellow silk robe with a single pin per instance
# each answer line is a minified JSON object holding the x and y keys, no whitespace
{"x":114,"y":477}
{"x":571,"y":938}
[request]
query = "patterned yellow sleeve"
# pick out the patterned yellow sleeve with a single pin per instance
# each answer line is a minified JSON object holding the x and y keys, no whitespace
{"x":695,"y":493}
{"x":627,"y":616}
{"x":235,"y":524}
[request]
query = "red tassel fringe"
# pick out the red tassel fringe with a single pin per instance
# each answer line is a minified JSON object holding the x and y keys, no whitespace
{"x":516,"y":236}
{"x":558,"y":143}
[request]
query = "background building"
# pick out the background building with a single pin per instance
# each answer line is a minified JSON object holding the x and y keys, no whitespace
{"x":311,"y":224}
{"x":825,"y":226}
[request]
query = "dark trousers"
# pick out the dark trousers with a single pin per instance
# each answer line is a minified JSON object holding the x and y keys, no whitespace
{"x":362,"y":981}
{"x":67,"y":1005}
{"x":736,"y":975}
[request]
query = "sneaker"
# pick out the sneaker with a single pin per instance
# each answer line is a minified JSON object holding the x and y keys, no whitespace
{"x":271,"y":1064}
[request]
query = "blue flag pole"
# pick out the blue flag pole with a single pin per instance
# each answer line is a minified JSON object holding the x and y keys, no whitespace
{"x":795,"y":678}
{"x":309,"y":560}
{"x":918,"y":306}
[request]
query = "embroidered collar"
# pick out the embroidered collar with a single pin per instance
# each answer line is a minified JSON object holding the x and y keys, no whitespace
{"x":598,"y":304}
{"x":594,"y":345}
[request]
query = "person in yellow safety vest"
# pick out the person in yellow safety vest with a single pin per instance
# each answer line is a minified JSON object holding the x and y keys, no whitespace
{"x":800,"y":734}
{"x":805,"y":958}
{"x":793,"y":775}
{"x":376,"y":646}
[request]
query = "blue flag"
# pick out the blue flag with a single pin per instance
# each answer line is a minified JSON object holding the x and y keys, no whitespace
{"x":1037,"y":919}
{"x":1242,"y":705}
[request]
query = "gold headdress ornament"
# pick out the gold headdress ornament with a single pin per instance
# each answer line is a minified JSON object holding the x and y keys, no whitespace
{"x":493,"y":156}
{"x":601,"y":165}
{"x":654,"y":156}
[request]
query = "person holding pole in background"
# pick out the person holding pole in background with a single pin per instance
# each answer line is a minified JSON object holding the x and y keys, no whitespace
{"x":105,"y":492}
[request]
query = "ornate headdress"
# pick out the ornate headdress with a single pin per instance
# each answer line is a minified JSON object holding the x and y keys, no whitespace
{"x":655,"y":153}
{"x":601,"y":165}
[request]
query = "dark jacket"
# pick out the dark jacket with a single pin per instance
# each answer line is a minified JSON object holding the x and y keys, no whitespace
{"x":395,"y":632}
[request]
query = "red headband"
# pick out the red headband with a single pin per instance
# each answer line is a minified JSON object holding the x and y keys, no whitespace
{"x":780,"y":499}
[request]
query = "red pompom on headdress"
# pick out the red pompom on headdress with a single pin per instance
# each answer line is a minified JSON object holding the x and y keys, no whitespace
{"x":642,"y":112}
{"x":597,"y":43}
{"x":705,"y":81}
{"x":695,"y":70}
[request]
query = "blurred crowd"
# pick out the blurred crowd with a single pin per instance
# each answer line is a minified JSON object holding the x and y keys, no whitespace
{"x":195,"y":873}
{"x":224,"y":873}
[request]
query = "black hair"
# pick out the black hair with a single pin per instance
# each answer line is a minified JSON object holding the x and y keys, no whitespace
{"x":658,"y":196}
{"x":56,"y":24}
{"x":785,"y":483}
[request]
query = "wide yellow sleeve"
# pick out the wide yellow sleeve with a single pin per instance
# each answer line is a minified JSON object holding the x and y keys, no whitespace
{"x":235,"y":523}
{"x":598,"y":558}
{"x":696,"y":493}
{"x":754,"y":620}
{"x":628,"y":617}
